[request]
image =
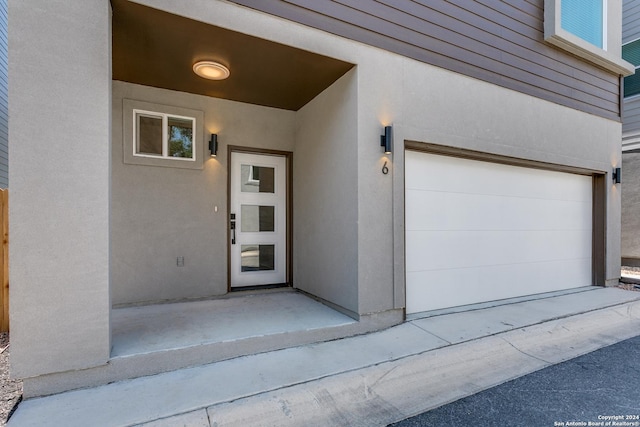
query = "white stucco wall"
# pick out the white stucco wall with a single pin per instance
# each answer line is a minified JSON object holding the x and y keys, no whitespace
{"x":161,"y":213}
{"x":59,"y":107}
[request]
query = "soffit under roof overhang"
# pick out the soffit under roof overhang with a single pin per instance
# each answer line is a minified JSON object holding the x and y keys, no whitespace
{"x":155,"y":48}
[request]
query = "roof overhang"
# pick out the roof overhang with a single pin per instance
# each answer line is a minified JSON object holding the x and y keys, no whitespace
{"x":155,"y":48}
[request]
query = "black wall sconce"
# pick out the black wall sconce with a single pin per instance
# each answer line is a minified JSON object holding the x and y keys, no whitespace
{"x":617,"y":175}
{"x":386,"y":140}
{"x":213,"y":145}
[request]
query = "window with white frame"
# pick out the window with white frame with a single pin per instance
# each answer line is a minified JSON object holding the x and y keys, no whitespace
{"x":586,"y":19}
{"x":162,"y":135}
{"x":631,"y":53}
{"x":590,"y":29}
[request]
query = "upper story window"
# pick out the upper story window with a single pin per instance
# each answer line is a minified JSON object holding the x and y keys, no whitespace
{"x":631,"y":53}
{"x":585,"y":19}
{"x":162,"y":135}
{"x":590,"y":29}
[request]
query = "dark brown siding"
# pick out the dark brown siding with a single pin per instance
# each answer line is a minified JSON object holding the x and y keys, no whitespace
{"x":495,"y":41}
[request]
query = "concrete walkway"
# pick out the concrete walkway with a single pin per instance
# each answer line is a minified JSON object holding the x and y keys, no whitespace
{"x":368,"y":380}
{"x":591,"y":390}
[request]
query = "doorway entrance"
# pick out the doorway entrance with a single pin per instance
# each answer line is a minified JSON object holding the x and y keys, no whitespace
{"x":258,"y":219}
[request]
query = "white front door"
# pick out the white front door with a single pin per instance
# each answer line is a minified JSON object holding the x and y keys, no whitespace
{"x":258,"y":219}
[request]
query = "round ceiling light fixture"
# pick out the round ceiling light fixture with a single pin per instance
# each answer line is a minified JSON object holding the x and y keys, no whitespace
{"x":211,"y":70}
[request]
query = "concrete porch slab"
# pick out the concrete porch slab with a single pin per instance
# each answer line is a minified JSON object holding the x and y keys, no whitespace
{"x":149,"y":340}
{"x":145,"y":329}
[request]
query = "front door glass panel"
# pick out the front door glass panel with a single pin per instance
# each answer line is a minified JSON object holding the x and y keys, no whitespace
{"x":257,"y":218}
{"x":257,"y":179}
{"x":258,"y":258}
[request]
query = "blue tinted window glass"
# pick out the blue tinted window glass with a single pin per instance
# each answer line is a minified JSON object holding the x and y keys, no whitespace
{"x":584,"y":18}
{"x":631,"y":52}
{"x":632,"y":84}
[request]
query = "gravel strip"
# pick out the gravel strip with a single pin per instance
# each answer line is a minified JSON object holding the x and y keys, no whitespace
{"x":10,"y":390}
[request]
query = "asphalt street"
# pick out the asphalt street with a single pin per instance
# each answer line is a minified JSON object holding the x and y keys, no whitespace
{"x":598,"y":389}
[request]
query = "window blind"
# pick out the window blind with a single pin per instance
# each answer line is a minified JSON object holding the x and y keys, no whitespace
{"x":631,"y":53}
{"x":583,"y":18}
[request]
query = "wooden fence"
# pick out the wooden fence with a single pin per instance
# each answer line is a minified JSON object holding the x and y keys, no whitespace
{"x":4,"y":260}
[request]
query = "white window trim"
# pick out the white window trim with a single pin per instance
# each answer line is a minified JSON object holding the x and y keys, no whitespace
{"x":558,"y":36}
{"x":632,"y":97}
{"x":630,"y":41}
{"x":605,"y":24}
{"x":165,"y":138}
{"x":129,"y":109}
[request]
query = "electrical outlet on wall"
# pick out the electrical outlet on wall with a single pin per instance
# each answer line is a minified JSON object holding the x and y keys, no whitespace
{"x":180,"y":261}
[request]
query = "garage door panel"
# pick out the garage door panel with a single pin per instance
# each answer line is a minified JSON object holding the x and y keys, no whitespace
{"x":428,"y":250}
{"x":479,"y":231}
{"x":425,"y":210}
{"x":452,"y":175}
{"x":436,"y":289}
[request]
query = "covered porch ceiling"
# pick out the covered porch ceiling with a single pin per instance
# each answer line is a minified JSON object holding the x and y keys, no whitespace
{"x":156,"y":48}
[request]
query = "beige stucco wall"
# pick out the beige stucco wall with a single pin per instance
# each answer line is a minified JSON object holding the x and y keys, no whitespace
{"x":161,"y":213}
{"x":425,"y":103}
{"x":630,"y":241}
{"x":59,"y":108}
{"x":466,"y":113}
{"x":325,"y":189}
{"x":60,"y":186}
{"x":322,"y":136}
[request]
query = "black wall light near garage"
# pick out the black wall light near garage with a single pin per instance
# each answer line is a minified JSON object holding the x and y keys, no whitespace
{"x":617,"y":175}
{"x":386,"y":140}
{"x":213,"y":145}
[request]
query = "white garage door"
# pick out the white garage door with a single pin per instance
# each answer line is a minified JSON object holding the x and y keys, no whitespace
{"x":479,"y":231}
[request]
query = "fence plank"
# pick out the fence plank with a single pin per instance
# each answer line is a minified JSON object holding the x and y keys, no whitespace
{"x":4,"y":260}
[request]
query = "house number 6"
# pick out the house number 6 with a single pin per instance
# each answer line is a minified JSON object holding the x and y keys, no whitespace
{"x":385,"y":169}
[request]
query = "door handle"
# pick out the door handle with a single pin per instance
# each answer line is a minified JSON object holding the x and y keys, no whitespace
{"x":233,"y":229}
